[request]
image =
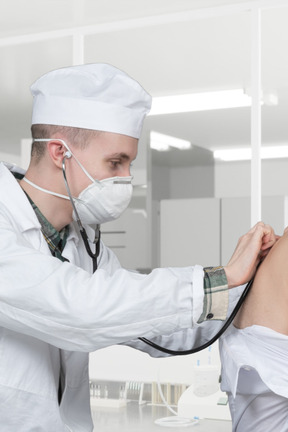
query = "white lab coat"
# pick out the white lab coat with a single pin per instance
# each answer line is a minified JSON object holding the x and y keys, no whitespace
{"x":47,"y":306}
{"x":52,"y":314}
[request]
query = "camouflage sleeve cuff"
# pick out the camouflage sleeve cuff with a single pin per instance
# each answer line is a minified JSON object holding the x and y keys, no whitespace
{"x":216,"y":296}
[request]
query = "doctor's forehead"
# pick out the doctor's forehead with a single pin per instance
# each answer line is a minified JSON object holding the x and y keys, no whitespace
{"x":116,"y":143}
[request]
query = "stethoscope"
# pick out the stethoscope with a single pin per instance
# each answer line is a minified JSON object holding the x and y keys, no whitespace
{"x":93,"y":255}
{"x":212,"y":340}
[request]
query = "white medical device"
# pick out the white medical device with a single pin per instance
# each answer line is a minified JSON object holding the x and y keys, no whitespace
{"x":204,"y":399}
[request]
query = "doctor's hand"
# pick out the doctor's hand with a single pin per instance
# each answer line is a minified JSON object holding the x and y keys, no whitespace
{"x":251,"y":248}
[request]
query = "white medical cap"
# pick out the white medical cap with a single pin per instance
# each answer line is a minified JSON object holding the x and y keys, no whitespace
{"x":91,"y":96}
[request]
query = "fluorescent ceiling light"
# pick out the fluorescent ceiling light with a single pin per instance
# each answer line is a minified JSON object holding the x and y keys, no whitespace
{"x":200,"y":102}
{"x":238,"y":154}
{"x":163,"y":142}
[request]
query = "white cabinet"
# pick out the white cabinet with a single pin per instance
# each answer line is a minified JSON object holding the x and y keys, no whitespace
{"x":206,"y":230}
{"x":190,"y":232}
{"x":127,"y":237}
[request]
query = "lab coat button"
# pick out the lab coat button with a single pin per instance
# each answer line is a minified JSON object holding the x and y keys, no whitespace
{"x":210,"y":316}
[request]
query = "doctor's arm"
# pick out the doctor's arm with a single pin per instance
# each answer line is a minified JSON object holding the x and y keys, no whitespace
{"x":68,"y":307}
{"x":218,"y":302}
{"x":251,"y":248}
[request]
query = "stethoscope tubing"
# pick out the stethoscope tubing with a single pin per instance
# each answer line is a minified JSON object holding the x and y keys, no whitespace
{"x":83,"y":233}
{"x":94,"y":256}
{"x":212,"y":340}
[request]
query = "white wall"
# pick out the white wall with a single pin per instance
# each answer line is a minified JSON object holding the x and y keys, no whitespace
{"x":195,"y":182}
{"x":232,"y":179}
{"x":12,"y":158}
{"x":161,"y":183}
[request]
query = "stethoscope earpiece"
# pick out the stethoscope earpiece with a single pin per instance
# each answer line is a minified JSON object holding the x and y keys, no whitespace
{"x":68,"y":155}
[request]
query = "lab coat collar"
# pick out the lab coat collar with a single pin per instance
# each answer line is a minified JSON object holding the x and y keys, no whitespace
{"x":12,"y":195}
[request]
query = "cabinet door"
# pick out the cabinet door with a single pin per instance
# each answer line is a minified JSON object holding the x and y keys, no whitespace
{"x":190,"y":232}
{"x":127,"y":237}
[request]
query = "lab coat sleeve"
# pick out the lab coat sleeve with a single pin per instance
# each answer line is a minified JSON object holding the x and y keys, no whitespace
{"x":188,"y":338}
{"x":66,"y":306}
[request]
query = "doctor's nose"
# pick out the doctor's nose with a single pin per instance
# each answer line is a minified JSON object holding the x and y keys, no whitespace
{"x":126,"y":172}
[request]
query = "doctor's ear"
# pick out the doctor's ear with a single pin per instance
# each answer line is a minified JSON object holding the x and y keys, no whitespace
{"x":57,"y":151}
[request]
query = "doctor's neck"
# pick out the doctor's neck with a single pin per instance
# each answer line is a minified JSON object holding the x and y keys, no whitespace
{"x":57,"y":211}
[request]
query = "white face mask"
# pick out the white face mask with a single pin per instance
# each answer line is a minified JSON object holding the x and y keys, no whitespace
{"x":102,"y":201}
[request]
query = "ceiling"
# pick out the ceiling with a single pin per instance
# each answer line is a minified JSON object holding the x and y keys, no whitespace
{"x":22,"y":18}
{"x":158,"y":42}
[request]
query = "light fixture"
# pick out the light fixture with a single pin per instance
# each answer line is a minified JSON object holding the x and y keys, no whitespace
{"x":241,"y":154}
{"x":163,"y":142}
{"x":199,"y":101}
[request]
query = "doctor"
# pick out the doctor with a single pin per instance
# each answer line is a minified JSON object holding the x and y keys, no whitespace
{"x":54,"y":310}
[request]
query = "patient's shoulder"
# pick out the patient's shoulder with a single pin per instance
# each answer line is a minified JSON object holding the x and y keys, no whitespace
{"x":267,"y":301}
{"x":277,"y":258}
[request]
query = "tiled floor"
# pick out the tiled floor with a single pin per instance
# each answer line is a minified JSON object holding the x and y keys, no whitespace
{"x":140,"y":418}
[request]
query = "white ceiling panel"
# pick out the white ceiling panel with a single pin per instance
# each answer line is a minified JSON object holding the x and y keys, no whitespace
{"x":179,"y":57}
{"x":166,"y":58}
{"x":18,"y":17}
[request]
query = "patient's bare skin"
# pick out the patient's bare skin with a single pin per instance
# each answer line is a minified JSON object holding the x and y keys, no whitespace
{"x":267,"y":301}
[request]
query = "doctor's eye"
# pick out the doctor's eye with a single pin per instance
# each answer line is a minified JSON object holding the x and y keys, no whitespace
{"x":115,"y":163}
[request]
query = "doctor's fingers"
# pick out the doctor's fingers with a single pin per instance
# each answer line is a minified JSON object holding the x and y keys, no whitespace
{"x":264,"y":234}
{"x":251,"y":245}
